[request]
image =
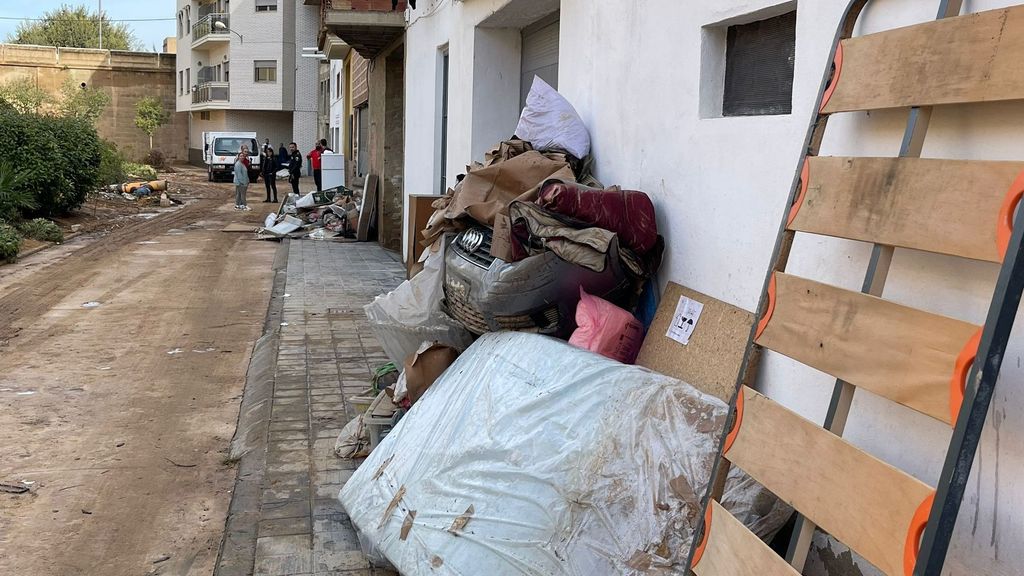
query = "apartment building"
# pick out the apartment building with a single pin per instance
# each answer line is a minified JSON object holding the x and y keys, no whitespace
{"x":240,"y":67}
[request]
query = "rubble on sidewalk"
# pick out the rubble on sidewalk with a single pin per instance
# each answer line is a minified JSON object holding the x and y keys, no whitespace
{"x":498,"y":433}
{"x":331,"y":214}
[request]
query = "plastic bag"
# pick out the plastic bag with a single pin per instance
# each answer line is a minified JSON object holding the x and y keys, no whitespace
{"x":550,"y":122}
{"x":405,"y":318}
{"x":529,"y":456}
{"x":607,"y":329}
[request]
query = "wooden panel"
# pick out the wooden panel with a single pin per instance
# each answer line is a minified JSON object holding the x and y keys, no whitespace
{"x":732,"y":550}
{"x":972,"y":58}
{"x":898,"y":352}
{"x":420,"y":210}
{"x":860,"y":500}
{"x":711,"y":361}
{"x":944,"y":206}
{"x":367,"y":208}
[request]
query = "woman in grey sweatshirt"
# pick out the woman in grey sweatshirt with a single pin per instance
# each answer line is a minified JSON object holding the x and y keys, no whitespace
{"x":241,"y":179}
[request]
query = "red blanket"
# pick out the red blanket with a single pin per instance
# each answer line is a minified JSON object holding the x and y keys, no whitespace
{"x":628,"y":213}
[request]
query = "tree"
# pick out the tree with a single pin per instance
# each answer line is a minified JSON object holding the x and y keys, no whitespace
{"x":150,"y":116}
{"x":23,"y":95}
{"x":75,"y":27}
{"x":81,"y":101}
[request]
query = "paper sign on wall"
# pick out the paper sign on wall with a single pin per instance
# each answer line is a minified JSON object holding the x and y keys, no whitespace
{"x":684,"y":320}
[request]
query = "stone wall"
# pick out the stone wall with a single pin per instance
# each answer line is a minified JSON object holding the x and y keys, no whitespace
{"x":126,"y":76}
{"x":387,"y":141}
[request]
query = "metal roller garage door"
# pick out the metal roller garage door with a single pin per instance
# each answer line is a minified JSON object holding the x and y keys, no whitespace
{"x":540,"y":54}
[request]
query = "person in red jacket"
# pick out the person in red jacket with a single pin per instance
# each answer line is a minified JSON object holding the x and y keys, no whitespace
{"x":314,"y":157}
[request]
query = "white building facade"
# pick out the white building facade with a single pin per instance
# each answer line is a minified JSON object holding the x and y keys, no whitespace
{"x":647,"y":79}
{"x":240,"y":67}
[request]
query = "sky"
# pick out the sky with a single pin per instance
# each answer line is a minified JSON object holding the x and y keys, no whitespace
{"x":151,"y":34}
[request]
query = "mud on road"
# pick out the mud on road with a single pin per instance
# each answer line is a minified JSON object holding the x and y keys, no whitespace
{"x":122,"y":361}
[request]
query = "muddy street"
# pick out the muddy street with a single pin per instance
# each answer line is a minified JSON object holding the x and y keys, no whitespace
{"x":122,"y":363}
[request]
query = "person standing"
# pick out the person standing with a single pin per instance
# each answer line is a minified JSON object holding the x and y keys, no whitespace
{"x":294,"y":167}
{"x":270,"y":168}
{"x":241,"y":179}
{"x":266,"y":146}
{"x":282,"y":156}
{"x":314,"y":158}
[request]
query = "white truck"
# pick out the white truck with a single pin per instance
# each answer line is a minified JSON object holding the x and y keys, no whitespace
{"x":221,"y":148}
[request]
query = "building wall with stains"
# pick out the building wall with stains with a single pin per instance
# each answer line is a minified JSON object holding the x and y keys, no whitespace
{"x":637,"y":72}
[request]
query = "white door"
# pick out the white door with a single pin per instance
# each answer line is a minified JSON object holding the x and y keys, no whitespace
{"x":540,"y":54}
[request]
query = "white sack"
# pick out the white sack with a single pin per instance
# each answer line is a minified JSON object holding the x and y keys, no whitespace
{"x":549,"y":121}
{"x":405,"y":318}
{"x":572,"y":463}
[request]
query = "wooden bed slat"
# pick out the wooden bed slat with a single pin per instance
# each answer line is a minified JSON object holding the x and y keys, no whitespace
{"x":945,"y":206}
{"x":970,"y":58}
{"x":732,"y":550}
{"x":860,"y":500}
{"x":900,"y":353}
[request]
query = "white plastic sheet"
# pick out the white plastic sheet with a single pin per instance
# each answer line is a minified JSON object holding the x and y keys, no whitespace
{"x":555,"y":461}
{"x":550,"y":122}
{"x":405,"y":318}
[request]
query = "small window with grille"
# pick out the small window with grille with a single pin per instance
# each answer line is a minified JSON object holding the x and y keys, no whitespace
{"x":759,"y":64}
{"x":266,"y":5}
{"x":266,"y":70}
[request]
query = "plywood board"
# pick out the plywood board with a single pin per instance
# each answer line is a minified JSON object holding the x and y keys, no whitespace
{"x":971,"y":58}
{"x":732,"y":550}
{"x":711,"y":361}
{"x":420,"y":210}
{"x":901,"y":353}
{"x":367,"y":208}
{"x":860,"y":500}
{"x":238,"y":227}
{"x":944,"y":206}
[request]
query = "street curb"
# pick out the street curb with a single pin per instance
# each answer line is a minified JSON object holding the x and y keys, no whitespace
{"x":249,"y":444}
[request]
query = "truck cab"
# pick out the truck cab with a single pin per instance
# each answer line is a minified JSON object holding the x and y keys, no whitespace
{"x":220,"y":150}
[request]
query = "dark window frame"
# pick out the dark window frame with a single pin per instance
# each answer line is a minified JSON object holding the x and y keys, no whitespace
{"x":759,"y":67}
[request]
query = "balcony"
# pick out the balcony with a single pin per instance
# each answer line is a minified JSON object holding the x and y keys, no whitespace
{"x":368,"y":26}
{"x":211,"y":96}
{"x":204,"y":31}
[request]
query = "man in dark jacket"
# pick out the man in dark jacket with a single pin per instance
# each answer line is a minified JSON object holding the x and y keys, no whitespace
{"x":269,"y":167}
{"x":294,"y":166}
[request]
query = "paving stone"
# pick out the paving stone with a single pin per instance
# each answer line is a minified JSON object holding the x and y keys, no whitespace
{"x":326,"y":353}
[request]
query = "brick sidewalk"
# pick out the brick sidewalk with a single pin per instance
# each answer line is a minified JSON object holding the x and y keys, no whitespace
{"x":326,"y":353}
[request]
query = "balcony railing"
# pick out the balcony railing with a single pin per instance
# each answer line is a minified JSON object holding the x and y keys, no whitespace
{"x":206,"y":26}
{"x":211,"y":92}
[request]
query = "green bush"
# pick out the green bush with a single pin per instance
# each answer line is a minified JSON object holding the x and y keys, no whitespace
{"x":140,"y":171}
{"x":112,"y":163}
{"x":60,"y":155}
{"x":15,"y":199}
{"x":42,"y":229}
{"x":10,"y":243}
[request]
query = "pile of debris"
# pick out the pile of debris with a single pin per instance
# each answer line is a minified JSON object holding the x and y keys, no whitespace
{"x":153,"y":192}
{"x":329,"y":214}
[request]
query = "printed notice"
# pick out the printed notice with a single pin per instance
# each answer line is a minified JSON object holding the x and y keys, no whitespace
{"x":684,"y":320}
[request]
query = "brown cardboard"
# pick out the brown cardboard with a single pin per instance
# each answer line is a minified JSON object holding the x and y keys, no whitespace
{"x":487,"y":190}
{"x":501,"y":239}
{"x":424,"y":367}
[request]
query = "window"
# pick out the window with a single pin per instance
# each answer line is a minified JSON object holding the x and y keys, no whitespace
{"x":266,"y":5}
{"x":181,"y":82}
{"x":188,"y":18}
{"x":266,"y":70}
{"x":337,"y":86}
{"x":204,"y":115}
{"x":179,"y":24}
{"x":188,"y":80}
{"x":759,"y":61}
{"x":227,"y":73}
